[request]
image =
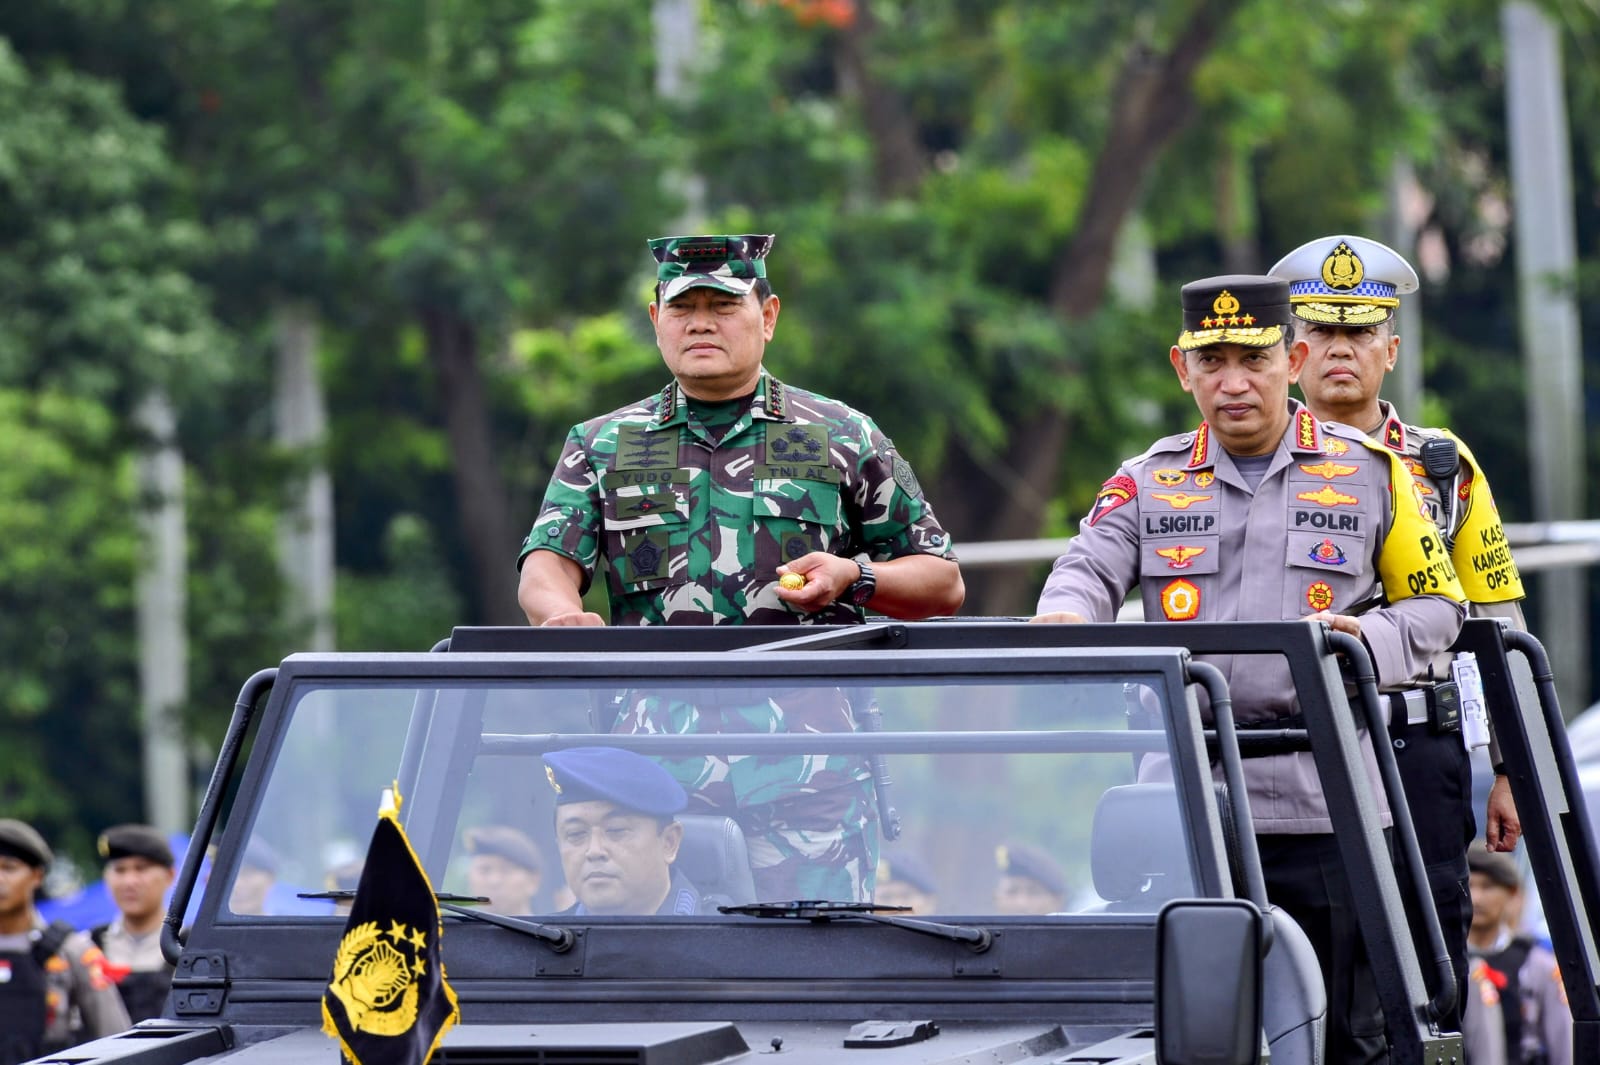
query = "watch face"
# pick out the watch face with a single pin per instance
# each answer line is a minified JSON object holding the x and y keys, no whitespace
{"x":863,"y":589}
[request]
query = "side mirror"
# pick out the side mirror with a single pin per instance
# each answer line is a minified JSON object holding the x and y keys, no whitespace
{"x":1208,"y":982}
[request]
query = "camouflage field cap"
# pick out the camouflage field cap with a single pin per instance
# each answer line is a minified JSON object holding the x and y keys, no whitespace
{"x":729,"y":263}
{"x":1246,"y":309}
{"x":1345,"y":280}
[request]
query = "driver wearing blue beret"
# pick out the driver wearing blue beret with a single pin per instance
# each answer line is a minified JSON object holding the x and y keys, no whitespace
{"x":618,"y":834}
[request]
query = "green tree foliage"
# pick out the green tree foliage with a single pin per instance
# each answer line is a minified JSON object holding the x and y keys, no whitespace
{"x":462,"y":189}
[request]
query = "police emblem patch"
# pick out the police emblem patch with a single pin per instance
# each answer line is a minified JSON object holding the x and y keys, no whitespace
{"x":1115,"y":492}
{"x":1180,"y":556}
{"x":1327,"y":497}
{"x":1180,"y":601}
{"x":1328,"y":470}
{"x":1327,"y":553}
{"x":1204,"y":479}
{"x":1169,"y":478}
{"x":1179,"y":500}
{"x":1319,"y":596}
{"x":1332,"y":446}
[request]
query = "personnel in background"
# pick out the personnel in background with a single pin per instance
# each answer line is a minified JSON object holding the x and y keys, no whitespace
{"x":905,"y":880}
{"x":618,"y":833}
{"x":138,"y":872}
{"x":1483,"y":1026}
{"x":1200,"y":521}
{"x":346,"y":876}
{"x":54,"y":991}
{"x":1538,"y":1021}
{"x":506,"y":867}
{"x":1030,"y":881}
{"x":702,"y":500}
{"x":1344,"y":290}
{"x":258,"y":872}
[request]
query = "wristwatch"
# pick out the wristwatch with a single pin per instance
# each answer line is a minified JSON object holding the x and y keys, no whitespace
{"x":863,"y":587}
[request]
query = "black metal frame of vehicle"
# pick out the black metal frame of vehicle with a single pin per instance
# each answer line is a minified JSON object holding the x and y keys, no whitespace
{"x":243,"y":983}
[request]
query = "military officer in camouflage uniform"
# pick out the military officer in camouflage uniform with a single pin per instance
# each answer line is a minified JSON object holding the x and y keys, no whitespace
{"x":1344,"y":291}
{"x":701,"y":499}
{"x":1264,"y":513}
{"x":54,"y":991}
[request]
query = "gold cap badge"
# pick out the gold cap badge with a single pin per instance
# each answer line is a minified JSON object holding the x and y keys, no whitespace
{"x":1342,"y":268}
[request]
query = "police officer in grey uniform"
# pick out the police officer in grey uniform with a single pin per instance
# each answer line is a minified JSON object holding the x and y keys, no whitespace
{"x":1344,"y":290}
{"x":1265,"y":513}
{"x":54,"y":991}
{"x":138,"y":872}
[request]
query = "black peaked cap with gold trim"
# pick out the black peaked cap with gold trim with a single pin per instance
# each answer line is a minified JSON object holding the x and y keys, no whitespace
{"x":1345,"y":280}
{"x":1246,"y":309}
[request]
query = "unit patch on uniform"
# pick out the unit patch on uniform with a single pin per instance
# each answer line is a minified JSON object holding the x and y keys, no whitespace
{"x":1327,"y":497}
{"x":1319,"y":596}
{"x":1334,"y":446}
{"x":1179,"y":500}
{"x":1169,"y":478}
{"x":1180,"y":601}
{"x":1115,"y":492}
{"x":1180,"y":556}
{"x":905,"y":478}
{"x":1205,"y":479}
{"x":1329,"y":470}
{"x":1327,"y":553}
{"x":641,"y":449}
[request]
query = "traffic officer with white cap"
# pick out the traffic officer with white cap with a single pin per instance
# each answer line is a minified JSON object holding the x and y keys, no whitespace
{"x":1344,"y":290}
{"x":1264,"y":513}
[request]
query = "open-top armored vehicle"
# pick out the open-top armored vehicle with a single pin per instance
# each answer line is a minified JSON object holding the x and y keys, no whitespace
{"x":1085,"y":742}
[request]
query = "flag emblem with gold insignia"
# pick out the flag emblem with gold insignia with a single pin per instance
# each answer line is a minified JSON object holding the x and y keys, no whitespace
{"x":387,"y":1001}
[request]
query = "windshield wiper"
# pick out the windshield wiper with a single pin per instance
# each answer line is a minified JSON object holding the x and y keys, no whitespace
{"x":342,"y":894}
{"x":978,"y":939}
{"x":560,"y":939}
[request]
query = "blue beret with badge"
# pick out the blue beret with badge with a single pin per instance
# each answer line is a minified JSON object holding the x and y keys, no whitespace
{"x":608,"y":774}
{"x":1345,"y":280}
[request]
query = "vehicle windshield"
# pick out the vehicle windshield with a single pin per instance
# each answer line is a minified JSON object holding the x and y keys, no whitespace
{"x":988,"y":796}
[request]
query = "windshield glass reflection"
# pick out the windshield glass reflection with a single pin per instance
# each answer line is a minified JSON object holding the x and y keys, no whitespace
{"x":1013,"y":796}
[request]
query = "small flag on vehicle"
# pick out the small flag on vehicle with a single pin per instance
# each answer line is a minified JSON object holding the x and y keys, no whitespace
{"x":387,"y":1001}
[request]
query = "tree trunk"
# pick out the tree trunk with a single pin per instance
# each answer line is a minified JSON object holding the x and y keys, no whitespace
{"x":898,"y":163}
{"x":480,"y":491}
{"x":1153,"y":102}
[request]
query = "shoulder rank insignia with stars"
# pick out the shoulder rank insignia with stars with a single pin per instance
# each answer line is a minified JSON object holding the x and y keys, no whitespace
{"x":1394,"y":436}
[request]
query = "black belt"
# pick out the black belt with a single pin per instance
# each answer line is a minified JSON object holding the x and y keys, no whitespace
{"x":1432,"y":706}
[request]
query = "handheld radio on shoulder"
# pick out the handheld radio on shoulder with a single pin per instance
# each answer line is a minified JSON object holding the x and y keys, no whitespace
{"x":1439,"y":457}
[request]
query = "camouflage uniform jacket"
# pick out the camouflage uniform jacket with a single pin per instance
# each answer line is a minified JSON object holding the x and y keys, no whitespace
{"x":1334,"y":524}
{"x":693,"y":528}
